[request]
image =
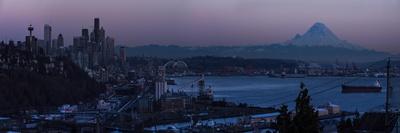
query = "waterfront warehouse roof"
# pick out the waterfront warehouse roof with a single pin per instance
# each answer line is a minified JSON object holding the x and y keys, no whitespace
{"x":268,"y":115}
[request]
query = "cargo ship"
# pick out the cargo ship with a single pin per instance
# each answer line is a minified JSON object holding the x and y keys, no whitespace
{"x":362,"y":89}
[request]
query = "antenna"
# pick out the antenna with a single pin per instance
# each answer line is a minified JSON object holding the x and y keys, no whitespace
{"x":30,"y":29}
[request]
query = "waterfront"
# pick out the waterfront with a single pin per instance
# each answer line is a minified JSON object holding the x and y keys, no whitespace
{"x":266,"y":92}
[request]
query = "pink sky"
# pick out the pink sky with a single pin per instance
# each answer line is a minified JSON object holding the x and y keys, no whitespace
{"x":373,"y":24}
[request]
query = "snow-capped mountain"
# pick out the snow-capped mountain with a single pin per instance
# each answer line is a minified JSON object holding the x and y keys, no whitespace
{"x":319,"y":44}
{"x":320,"y":35}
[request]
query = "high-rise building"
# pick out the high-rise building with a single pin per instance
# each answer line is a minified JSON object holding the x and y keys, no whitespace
{"x":54,"y":42}
{"x":85,"y":34}
{"x":91,"y":37}
{"x":102,"y":35}
{"x":79,"y":46}
{"x":103,"y":47}
{"x":94,"y":46}
{"x":110,"y":50}
{"x":96,"y":23}
{"x":122,"y":55}
{"x":47,"y":39}
{"x":161,"y":84}
{"x":77,"y":43}
{"x":60,"y":41}
{"x":96,"y":30}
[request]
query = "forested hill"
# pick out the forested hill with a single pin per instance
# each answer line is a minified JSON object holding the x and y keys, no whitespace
{"x":37,"y":82}
{"x":218,"y":65}
{"x":275,"y":51}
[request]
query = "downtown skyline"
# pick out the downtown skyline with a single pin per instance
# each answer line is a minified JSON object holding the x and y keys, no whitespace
{"x":371,"y":24}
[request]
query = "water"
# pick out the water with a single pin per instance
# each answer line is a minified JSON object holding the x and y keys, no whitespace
{"x":266,"y":92}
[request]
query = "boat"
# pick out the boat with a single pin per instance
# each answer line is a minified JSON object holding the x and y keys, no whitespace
{"x":362,"y":89}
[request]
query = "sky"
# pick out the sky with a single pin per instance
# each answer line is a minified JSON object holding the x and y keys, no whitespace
{"x":373,"y":24}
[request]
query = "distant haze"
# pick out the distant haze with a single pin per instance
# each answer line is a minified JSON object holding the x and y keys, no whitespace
{"x":373,"y":24}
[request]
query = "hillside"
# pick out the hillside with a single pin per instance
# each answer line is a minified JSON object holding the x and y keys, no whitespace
{"x":37,"y":82}
{"x":274,"y":51}
{"x":219,"y":65}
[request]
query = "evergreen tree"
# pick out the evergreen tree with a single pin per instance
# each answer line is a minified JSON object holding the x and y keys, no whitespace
{"x":342,"y":124}
{"x":305,"y":119}
{"x":356,"y":120}
{"x":348,"y":125}
{"x":283,"y":120}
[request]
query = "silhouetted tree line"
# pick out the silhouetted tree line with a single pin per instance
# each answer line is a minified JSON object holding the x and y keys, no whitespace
{"x":348,"y":125}
{"x":23,"y":88}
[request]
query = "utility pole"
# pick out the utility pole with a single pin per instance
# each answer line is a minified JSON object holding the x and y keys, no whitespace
{"x":387,"y":85}
{"x":388,"y":92}
{"x":98,"y":126}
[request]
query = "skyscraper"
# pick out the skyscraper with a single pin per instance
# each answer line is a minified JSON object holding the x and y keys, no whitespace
{"x":77,"y":43}
{"x":96,"y":30}
{"x":60,"y":41}
{"x":47,"y":39}
{"x":96,"y":23}
{"x":122,"y":55}
{"x":94,"y":45}
{"x":103,"y":47}
{"x":85,"y":34}
{"x":110,"y":50}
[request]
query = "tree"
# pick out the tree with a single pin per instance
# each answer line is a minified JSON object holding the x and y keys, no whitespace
{"x":341,"y":127}
{"x":283,"y":120}
{"x":356,"y":120}
{"x":348,"y":125}
{"x":305,"y":119}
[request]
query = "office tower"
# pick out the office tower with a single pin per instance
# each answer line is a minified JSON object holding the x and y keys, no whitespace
{"x":77,"y":43}
{"x":160,"y":84}
{"x":85,"y":38}
{"x":109,"y":49}
{"x":103,"y":47}
{"x":122,"y":55}
{"x":102,"y":34}
{"x":96,"y":30}
{"x":60,"y":41}
{"x":85,"y":34}
{"x":92,"y":38}
{"x":96,"y":23}
{"x":54,"y":42}
{"x":47,"y":39}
